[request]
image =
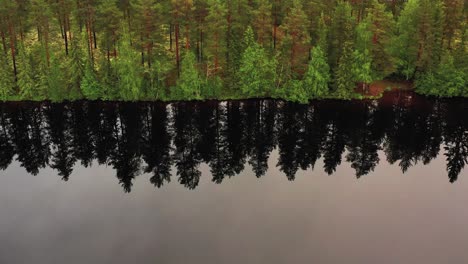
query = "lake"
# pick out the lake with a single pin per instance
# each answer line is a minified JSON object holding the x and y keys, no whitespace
{"x":257,"y":181}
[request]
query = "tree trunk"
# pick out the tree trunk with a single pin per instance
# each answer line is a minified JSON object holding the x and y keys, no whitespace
{"x":3,"y":42}
{"x":187,"y":38}
{"x":170,"y":37}
{"x":94,"y":37}
{"x":65,"y":29}
{"x":46,"y":39}
{"x":13,"y":48}
{"x":177,"y":48}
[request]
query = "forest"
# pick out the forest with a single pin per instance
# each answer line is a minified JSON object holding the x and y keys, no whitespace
{"x":297,"y":50}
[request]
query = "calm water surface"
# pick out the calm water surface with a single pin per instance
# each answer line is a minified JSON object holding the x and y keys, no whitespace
{"x":235,"y":182}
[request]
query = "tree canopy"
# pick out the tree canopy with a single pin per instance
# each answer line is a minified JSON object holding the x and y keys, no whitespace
{"x":202,"y":49}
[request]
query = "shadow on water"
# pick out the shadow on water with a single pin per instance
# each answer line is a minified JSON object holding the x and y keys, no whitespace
{"x":136,"y":138}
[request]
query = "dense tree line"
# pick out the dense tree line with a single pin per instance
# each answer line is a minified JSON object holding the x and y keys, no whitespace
{"x":197,"y":49}
{"x":170,"y":141}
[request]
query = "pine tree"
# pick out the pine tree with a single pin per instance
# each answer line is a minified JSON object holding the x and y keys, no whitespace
{"x":42,"y":16}
{"x":8,"y":20}
{"x":148,"y":26}
{"x":263,"y":23}
{"x":341,"y":50}
{"x":108,"y":22}
{"x":420,"y":30}
{"x":381,"y":24}
{"x":322,"y":34}
{"x":453,"y":20}
{"x":216,"y":40}
{"x":339,"y":33}
{"x":297,"y":40}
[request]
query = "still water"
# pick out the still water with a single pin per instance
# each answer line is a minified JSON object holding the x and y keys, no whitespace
{"x":378,"y":181}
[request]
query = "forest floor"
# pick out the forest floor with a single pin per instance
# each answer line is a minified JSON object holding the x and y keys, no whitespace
{"x":377,"y":88}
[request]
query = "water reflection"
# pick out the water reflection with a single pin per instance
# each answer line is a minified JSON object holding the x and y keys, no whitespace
{"x":154,"y":138}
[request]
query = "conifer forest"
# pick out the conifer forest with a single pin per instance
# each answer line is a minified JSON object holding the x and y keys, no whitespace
{"x":165,"y":50}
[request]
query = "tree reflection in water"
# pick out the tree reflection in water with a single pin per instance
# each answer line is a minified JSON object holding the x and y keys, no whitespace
{"x":136,"y":138}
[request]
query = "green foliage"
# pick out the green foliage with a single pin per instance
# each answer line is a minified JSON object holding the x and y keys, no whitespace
{"x":405,"y":45}
{"x":128,"y":71}
{"x":76,"y":67}
{"x":317,"y":78}
{"x":216,"y":45}
{"x":381,"y":25}
{"x":90,"y":85}
{"x":257,"y":71}
{"x":55,"y":81}
{"x":189,"y":84}
{"x":27,"y":76}
{"x":362,"y":60}
{"x":361,"y":68}
{"x":447,"y":80}
{"x":129,"y":50}
{"x":322,"y":33}
{"x":418,"y":46}
{"x":212,"y":88}
{"x":7,"y":79}
{"x":296,"y":43}
{"x":294,"y":91}
{"x":344,"y":76}
{"x":340,"y":32}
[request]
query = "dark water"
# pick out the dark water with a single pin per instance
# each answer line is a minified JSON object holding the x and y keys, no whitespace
{"x":235,"y":182}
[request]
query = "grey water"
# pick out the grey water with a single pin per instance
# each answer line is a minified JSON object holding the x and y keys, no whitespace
{"x":257,"y":181}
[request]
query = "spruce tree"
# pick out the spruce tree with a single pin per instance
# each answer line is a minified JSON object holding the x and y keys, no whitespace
{"x":76,"y":66}
{"x":189,"y":84}
{"x":296,"y":43}
{"x":216,"y":25}
{"x":344,"y":76}
{"x":381,"y":23}
{"x":26,"y":76}
{"x":317,"y":78}
{"x":90,"y":84}
{"x":257,"y":71}
{"x":7,"y":79}
{"x":55,"y":81}
{"x":263,"y":23}
{"x":405,"y":46}
{"x":362,"y":60}
{"x":339,"y":33}
{"x":128,"y":70}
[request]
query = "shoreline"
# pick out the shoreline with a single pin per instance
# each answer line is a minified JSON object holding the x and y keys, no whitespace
{"x":375,"y":91}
